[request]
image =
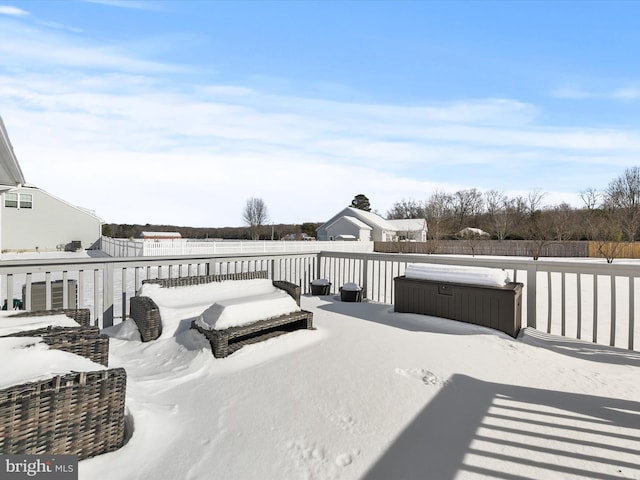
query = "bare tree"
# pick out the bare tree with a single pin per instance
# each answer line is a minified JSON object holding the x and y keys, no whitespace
{"x":538,"y":223}
{"x":406,"y":209}
{"x":466,"y":203}
{"x":255,"y":215}
{"x":623,"y":197}
{"x":438,"y":211}
{"x":602,"y":224}
{"x":562,"y":221}
{"x":497,"y":205}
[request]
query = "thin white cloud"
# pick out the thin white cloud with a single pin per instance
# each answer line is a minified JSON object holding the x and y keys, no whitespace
{"x":12,"y":11}
{"x":191,"y":152}
{"x":622,"y":93}
{"x":627,"y":93}
{"x":130,"y":4}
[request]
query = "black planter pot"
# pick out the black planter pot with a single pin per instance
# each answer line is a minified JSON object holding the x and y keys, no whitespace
{"x":350,"y":295}
{"x":321,"y":289}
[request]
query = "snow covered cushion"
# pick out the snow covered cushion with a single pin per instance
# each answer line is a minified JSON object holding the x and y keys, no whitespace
{"x":458,"y":274}
{"x":236,"y":312}
{"x":10,"y":325}
{"x":205,"y":294}
{"x":179,"y":303}
{"x":29,"y":359}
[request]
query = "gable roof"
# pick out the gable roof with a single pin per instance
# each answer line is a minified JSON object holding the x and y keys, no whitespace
{"x":368,"y":218}
{"x":358,"y":223}
{"x":10,"y":171}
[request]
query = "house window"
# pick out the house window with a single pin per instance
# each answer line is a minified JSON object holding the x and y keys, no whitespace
{"x":26,"y":200}
{"x":11,"y":200}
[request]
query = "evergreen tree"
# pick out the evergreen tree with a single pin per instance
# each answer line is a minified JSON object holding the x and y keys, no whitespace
{"x":361,"y":202}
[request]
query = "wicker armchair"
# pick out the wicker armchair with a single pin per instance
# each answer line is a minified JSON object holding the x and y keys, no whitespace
{"x":146,"y":314}
{"x":84,"y":340}
{"x":77,"y":414}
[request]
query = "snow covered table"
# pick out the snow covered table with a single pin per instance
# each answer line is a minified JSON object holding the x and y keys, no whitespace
{"x":481,"y":296}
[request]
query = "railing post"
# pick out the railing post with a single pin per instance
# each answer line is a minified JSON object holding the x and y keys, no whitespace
{"x":365,"y":276}
{"x":531,"y":295}
{"x":107,"y":295}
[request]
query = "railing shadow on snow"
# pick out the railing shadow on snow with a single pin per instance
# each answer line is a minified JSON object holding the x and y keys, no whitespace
{"x":514,"y":432}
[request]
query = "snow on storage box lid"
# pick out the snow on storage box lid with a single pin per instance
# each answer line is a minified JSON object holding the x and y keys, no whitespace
{"x":458,"y":274}
{"x":237,"y":312}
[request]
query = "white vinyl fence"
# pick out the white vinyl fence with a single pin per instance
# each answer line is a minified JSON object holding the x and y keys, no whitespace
{"x":120,"y":247}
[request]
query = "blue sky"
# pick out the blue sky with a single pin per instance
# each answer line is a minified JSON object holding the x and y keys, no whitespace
{"x":178,"y":112}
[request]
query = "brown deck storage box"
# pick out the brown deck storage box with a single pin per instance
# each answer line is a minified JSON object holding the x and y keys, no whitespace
{"x":497,"y":307}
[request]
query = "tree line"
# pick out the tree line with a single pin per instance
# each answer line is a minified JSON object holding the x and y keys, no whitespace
{"x":263,"y":232}
{"x":609,"y":215}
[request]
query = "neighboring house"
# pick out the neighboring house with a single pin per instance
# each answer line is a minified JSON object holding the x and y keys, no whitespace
{"x":354,"y":224}
{"x":297,"y":236}
{"x":160,"y":235}
{"x":471,"y":232}
{"x":34,"y":220}
{"x":411,"y":230}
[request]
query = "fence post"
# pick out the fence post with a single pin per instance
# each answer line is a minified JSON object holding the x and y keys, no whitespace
{"x":531,"y":294}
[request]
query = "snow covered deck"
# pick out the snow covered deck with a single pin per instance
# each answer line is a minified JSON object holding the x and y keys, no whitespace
{"x":373,"y":394}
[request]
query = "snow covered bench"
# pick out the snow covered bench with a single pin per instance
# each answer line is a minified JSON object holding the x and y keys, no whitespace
{"x":482,"y":296}
{"x":157,"y":298}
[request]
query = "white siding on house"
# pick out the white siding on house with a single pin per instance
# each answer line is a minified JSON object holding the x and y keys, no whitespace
{"x":411,"y":229}
{"x":349,"y":226}
{"x":49,"y":222}
{"x":381,"y":229}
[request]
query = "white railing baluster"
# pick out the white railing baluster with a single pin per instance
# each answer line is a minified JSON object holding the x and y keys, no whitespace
{"x":612,"y":337}
{"x":374,"y":272}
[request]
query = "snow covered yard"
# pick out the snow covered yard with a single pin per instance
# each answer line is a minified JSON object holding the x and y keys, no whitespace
{"x":376,"y":395}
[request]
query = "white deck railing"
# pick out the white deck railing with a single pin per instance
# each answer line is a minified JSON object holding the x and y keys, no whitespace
{"x":589,"y":300}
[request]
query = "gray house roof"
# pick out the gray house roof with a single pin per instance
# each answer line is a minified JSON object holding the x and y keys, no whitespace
{"x":409,"y":224}
{"x":10,"y":171}
{"x":355,"y":221}
{"x":368,"y":218}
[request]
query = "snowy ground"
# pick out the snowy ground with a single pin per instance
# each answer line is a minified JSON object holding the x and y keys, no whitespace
{"x":375,"y":395}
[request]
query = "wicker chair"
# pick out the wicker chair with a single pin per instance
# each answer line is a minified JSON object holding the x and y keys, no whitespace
{"x":77,"y":414}
{"x":146,"y":314}
{"x":84,"y":340}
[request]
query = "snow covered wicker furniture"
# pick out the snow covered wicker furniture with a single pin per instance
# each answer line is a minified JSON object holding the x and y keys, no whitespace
{"x":80,"y":315}
{"x":498,"y":306}
{"x":225,"y":342}
{"x":77,"y":414}
{"x":82,"y":340}
{"x":146,"y":314}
